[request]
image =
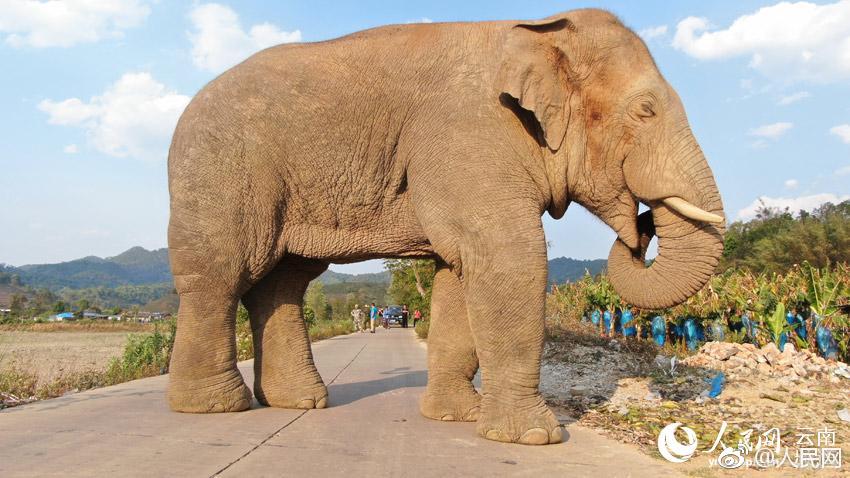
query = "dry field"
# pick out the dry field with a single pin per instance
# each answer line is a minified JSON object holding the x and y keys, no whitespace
{"x":50,"y":355}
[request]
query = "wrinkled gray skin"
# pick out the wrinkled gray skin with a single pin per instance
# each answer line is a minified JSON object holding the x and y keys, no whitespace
{"x":459,"y":136}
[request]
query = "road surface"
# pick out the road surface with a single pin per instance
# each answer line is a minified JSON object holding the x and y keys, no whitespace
{"x":371,"y":428}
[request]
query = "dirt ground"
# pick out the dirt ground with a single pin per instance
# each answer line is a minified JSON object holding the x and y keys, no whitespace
{"x":52,"y":354}
{"x":628,"y":391}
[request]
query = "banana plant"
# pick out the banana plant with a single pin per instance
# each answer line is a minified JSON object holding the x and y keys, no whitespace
{"x":777,"y":327}
{"x":823,"y":289}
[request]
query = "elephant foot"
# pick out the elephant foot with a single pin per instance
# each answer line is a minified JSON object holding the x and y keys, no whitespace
{"x":461,"y":405}
{"x":535,"y":426}
{"x":209,"y":395}
{"x":310,"y":394}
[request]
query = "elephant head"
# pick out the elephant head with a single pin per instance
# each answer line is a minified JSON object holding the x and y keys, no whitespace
{"x":614,"y":134}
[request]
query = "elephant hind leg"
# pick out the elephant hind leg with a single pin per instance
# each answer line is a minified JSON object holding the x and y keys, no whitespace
{"x":452,"y":361}
{"x":285,"y":375}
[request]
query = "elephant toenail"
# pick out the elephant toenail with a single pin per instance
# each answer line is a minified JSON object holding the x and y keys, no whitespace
{"x":306,"y":403}
{"x":496,"y":435}
{"x":557,"y":435}
{"x":448,"y":418}
{"x":322,"y":403}
{"x":535,"y":436}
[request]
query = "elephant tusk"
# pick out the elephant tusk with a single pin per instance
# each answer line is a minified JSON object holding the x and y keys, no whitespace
{"x":690,"y":211}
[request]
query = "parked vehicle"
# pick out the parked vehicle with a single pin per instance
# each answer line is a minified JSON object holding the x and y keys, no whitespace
{"x":393,"y":314}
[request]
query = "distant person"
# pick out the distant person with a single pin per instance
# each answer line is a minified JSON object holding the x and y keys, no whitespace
{"x":385,"y":317}
{"x":373,"y":316}
{"x":417,"y":316}
{"x":357,"y":317}
{"x":404,"y":316}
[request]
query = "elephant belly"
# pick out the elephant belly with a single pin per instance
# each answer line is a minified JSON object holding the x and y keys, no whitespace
{"x":342,"y":245}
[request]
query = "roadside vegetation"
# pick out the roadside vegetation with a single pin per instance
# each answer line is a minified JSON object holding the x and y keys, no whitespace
{"x":422,"y":328}
{"x":147,"y":353}
{"x":760,"y":297}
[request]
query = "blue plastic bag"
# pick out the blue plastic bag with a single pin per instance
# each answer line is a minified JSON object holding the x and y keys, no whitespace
{"x":607,"y":321}
{"x":594,"y":317}
{"x":659,"y":329}
{"x":826,"y":342}
{"x":628,"y":324}
{"x":717,"y":384}
{"x":691,"y":332}
{"x":618,"y":322}
{"x":750,"y":326}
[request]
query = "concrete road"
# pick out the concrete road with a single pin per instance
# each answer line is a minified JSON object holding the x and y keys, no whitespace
{"x":371,"y":428}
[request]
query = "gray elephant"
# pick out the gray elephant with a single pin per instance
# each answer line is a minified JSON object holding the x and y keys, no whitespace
{"x":461,"y":135}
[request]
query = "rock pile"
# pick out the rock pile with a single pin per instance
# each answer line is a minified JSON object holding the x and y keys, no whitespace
{"x":744,"y":360}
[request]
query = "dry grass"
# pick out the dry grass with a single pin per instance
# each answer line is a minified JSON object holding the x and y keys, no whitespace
{"x":51,"y":355}
{"x":78,"y":326}
{"x":39,"y":361}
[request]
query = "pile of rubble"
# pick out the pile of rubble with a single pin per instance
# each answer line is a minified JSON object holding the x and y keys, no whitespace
{"x":791,"y":365}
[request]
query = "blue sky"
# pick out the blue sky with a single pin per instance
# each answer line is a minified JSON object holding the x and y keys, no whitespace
{"x":90,"y":92}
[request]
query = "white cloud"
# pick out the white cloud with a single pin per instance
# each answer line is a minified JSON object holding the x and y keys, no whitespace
{"x":54,"y":23}
{"x":771,"y":131}
{"x":791,"y":184}
{"x":219,"y":42}
{"x":653,"y":32}
{"x":845,"y":171}
{"x":134,"y":117}
{"x":794,"y":205}
{"x":842,"y":131}
{"x":420,"y":20}
{"x":795,"y":41}
{"x":793,"y":98}
{"x":70,"y":149}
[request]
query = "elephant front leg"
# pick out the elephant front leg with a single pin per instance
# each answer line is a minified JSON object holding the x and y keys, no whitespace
{"x":505,"y":280}
{"x":285,"y":375}
{"x":452,"y":361}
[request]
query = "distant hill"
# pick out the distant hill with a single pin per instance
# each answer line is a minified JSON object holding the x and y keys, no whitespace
{"x":563,"y":269}
{"x":6,"y":292}
{"x":140,"y":267}
{"x":136,"y":266}
{"x":330,"y":277}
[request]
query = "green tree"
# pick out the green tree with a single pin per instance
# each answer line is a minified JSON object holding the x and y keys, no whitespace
{"x":775,"y":240}
{"x":412,"y":282}
{"x":316,"y":300}
{"x":82,"y":305}
{"x":59,"y":307}
{"x":18,"y":304}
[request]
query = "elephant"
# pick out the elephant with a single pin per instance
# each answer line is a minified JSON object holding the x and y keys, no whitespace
{"x":460,"y":135}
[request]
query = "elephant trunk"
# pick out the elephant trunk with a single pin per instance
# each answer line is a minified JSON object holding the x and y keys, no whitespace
{"x":690,"y":240}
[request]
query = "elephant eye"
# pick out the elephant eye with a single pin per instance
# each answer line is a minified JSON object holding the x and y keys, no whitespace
{"x":645,"y":110}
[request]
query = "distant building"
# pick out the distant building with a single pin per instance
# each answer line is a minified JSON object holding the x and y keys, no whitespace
{"x":94,"y":315}
{"x":64,"y":316}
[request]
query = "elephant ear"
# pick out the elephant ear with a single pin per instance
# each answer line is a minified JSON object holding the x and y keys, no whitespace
{"x":534,"y":72}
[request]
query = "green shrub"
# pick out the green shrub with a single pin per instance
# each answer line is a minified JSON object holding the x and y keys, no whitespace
{"x":326,"y":329}
{"x":144,"y":356}
{"x":422,"y":328}
{"x":16,"y":385}
{"x":244,"y":337}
